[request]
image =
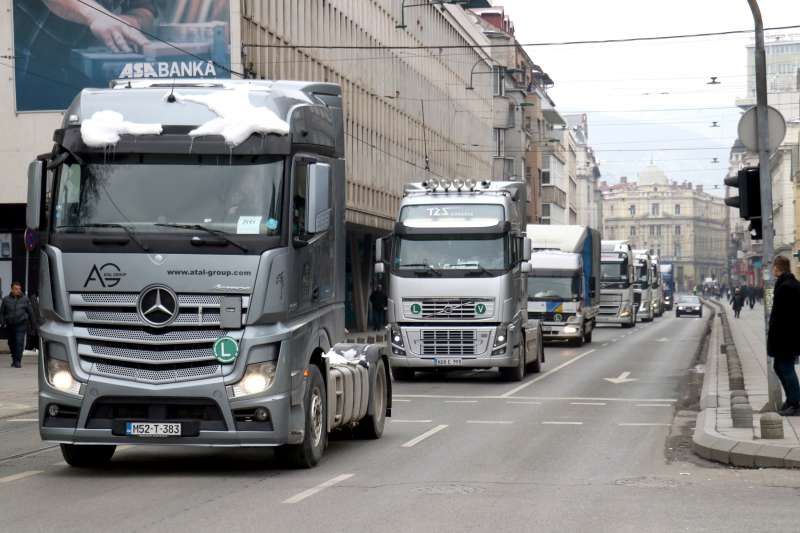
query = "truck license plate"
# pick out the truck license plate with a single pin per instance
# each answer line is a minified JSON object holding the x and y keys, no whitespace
{"x":449,"y":361}
{"x":153,"y":429}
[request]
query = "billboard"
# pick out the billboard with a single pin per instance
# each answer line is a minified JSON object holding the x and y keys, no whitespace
{"x":63,"y":47}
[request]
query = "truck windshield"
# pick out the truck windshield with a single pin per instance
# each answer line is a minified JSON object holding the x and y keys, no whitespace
{"x":640,"y":274}
{"x":452,"y":256}
{"x":231,"y":195}
{"x":614,"y":272}
{"x":554,"y":288}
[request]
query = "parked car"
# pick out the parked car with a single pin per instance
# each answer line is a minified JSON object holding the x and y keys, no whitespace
{"x":688,"y":305}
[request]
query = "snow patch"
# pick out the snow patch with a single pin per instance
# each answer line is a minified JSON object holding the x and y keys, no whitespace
{"x":347,"y":357}
{"x":237,"y":118}
{"x":105,"y":127}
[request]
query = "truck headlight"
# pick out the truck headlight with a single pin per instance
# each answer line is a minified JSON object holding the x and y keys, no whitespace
{"x":257,"y":378}
{"x":60,"y":378}
{"x":574,"y":319}
{"x":625,"y":311}
{"x":570,"y":330}
{"x":501,"y":336}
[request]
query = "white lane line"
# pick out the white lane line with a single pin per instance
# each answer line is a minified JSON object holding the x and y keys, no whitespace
{"x":429,"y":433}
{"x":396,"y":400}
{"x":543,"y":398}
{"x":561,"y":423}
{"x":523,"y":403}
{"x":490,"y":422}
{"x":588,"y":403}
{"x":653,"y":405}
{"x":546,"y":374}
{"x":21,"y":475}
{"x":60,"y":463}
{"x":643,"y":424}
{"x":319,"y":488}
{"x":461,"y":401}
{"x":395,"y":421}
{"x":23,"y":420}
{"x":604,"y":345}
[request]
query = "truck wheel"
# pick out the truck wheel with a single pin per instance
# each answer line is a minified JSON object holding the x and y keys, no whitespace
{"x":588,"y":337}
{"x":535,"y":366}
{"x":371,"y":426}
{"x":516,"y":373}
{"x":403,"y":374}
{"x":87,"y":456}
{"x":315,"y":438}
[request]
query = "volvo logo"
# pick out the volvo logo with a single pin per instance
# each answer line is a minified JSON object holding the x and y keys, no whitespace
{"x":158,"y":306}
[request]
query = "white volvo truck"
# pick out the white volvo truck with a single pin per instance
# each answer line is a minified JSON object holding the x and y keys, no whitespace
{"x":618,"y":301}
{"x":657,"y":292}
{"x":563,"y":284}
{"x":643,"y":284}
{"x":192,"y":271}
{"x":457,"y":264}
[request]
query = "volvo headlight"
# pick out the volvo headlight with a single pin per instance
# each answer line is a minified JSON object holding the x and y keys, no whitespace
{"x":398,"y":347}
{"x":501,"y":336}
{"x":257,"y":378}
{"x":60,"y":378}
{"x":625,"y":311}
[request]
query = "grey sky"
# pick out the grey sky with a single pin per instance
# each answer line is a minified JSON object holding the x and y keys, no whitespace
{"x":616,"y":77}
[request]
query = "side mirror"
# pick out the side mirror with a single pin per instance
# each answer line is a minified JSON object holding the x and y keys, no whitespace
{"x":318,"y":190}
{"x":525,"y":267}
{"x":526,"y":249}
{"x":593,"y":286}
{"x":34,"y":211}
{"x":379,"y":250}
{"x":380,"y":267}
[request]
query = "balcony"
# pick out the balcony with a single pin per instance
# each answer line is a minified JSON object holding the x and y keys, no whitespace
{"x":554,"y":195}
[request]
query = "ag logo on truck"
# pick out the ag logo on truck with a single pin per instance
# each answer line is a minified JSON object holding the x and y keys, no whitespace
{"x":106,"y":276}
{"x":158,"y":305}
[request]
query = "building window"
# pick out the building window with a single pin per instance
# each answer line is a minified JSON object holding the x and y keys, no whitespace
{"x":677,"y":209}
{"x":655,"y":210}
{"x":652,"y":231}
{"x":677,"y":250}
{"x":677,"y":229}
{"x":546,"y":177}
{"x":545,"y":213}
{"x":658,"y":231}
{"x":632,"y":210}
{"x":633,"y":231}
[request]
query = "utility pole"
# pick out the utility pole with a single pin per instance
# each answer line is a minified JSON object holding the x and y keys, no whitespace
{"x":767,"y":244}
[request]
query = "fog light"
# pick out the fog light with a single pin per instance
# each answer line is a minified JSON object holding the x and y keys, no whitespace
{"x":261,"y":414}
{"x":52,"y":410}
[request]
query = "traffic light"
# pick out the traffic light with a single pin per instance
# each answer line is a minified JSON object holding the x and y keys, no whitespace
{"x":749,"y":200}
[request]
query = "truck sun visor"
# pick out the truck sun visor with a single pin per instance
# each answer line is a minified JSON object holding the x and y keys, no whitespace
{"x":237,"y":118}
{"x":105,"y":127}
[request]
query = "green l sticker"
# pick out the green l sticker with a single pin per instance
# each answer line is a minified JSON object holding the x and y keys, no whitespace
{"x":416,"y":309}
{"x":226,"y":349}
{"x":480,"y":309}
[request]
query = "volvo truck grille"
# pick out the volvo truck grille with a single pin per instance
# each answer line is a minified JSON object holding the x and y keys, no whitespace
{"x":609,"y":304}
{"x":114,"y":339}
{"x":448,"y":308}
{"x":441,"y":342}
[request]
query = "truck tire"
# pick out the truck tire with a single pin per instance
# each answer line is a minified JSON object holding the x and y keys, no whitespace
{"x":87,"y":456}
{"x":371,"y":426}
{"x":403,"y":374}
{"x":315,"y":437}
{"x":535,"y":366}
{"x":588,"y":337}
{"x":516,"y":373}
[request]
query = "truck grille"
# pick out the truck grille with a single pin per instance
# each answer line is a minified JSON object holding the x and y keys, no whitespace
{"x":113,"y":338}
{"x":440,"y":342}
{"x":609,"y":304}
{"x":448,"y":308}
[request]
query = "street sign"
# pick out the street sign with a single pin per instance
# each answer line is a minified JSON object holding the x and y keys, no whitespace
{"x":748,"y":130}
{"x":31,"y":238}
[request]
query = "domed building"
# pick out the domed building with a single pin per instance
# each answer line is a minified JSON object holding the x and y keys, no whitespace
{"x":679,"y":222}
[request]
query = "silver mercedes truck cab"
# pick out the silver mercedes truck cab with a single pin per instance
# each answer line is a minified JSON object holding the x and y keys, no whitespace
{"x":563,"y":284}
{"x":457,"y":264}
{"x":643,"y":284}
{"x":192,"y":271}
{"x":618,"y":301}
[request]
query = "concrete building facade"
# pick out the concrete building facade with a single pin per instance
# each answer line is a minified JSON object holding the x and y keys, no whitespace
{"x":682,"y":224}
{"x":588,"y":196}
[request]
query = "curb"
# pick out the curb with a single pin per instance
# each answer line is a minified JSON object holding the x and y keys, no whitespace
{"x":709,"y":444}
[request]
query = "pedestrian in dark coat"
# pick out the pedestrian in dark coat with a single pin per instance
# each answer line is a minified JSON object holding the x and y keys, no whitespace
{"x":737,"y":301}
{"x":16,"y":316}
{"x":379,"y":301}
{"x":783,"y":342}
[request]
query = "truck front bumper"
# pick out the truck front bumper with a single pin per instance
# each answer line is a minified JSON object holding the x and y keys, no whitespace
{"x":613,"y":319}
{"x":561,"y":331}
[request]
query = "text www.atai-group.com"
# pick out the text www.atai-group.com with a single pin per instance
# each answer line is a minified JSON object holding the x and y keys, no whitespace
{"x":210,"y":273}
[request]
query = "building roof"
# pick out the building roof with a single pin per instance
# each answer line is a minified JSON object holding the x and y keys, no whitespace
{"x":652,"y":175}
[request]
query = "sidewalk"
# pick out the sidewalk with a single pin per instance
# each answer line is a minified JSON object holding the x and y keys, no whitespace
{"x":17,"y":385}
{"x":715,"y":437}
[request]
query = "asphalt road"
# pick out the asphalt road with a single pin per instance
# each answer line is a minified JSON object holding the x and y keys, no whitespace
{"x":566,"y":450}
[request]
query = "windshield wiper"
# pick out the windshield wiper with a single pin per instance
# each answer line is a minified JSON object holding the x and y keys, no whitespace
{"x":217,"y":233}
{"x":131,"y":234}
{"x":481,"y":269}
{"x":429,"y":267}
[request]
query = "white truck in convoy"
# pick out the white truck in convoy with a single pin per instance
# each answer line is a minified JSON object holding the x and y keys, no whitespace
{"x":643,"y":285}
{"x":564,"y":284}
{"x":618,"y":300}
{"x":192,"y":272}
{"x":657,"y":286}
{"x":457,"y":264}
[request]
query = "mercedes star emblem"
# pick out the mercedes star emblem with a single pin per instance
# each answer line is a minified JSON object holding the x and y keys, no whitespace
{"x":158,"y":305}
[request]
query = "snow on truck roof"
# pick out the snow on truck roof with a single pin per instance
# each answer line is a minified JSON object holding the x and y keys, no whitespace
{"x":557,"y":237}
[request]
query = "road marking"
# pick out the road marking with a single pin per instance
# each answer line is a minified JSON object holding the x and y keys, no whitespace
{"x":561,"y":423}
{"x":524,"y":403}
{"x":23,"y":420}
{"x":546,"y":374}
{"x":396,"y":400}
{"x":588,"y":403}
{"x":662,"y":339}
{"x":623,"y":378}
{"x":644,"y":424}
{"x":653,"y":405}
{"x":394,"y":420}
{"x":604,"y":345}
{"x":461,"y":401}
{"x":541,"y":398}
{"x":319,"y":488}
{"x":21,"y":475}
{"x":489,"y":422}
{"x":60,"y":463}
{"x":429,"y":433}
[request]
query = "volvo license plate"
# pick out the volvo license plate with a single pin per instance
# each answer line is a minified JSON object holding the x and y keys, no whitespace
{"x":448,"y":361}
{"x":153,"y":429}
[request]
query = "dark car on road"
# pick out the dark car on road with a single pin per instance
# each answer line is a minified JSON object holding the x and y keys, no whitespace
{"x":688,"y":305}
